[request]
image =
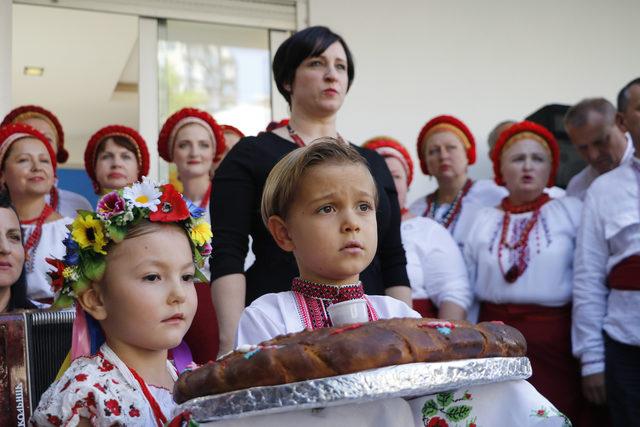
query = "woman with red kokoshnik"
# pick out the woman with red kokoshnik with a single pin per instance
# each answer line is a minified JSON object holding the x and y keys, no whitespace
{"x":195,"y":142}
{"x":520,"y":260}
{"x":116,"y":156}
{"x":65,"y":202}
{"x":446,"y":148}
{"x":438,"y":276}
{"x":27,"y":172}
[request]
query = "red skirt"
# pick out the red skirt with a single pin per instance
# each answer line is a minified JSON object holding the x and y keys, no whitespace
{"x":556,"y":373}
{"x":425,"y":307}
{"x":202,"y":337}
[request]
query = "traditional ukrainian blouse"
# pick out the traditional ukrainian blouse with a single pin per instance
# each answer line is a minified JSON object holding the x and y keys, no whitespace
{"x":49,"y":246}
{"x":547,"y":279}
{"x":435,"y":265}
{"x":482,"y":193}
{"x":102,"y":389}
{"x":69,"y":203}
{"x":610,"y":233}
{"x":305,"y":307}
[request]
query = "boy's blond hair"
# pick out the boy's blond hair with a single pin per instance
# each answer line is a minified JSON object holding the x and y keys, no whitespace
{"x":282,"y":183}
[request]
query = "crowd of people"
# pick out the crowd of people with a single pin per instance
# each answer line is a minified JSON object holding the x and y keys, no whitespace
{"x":560,"y":266}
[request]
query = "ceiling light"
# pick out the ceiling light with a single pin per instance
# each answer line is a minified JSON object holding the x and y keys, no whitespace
{"x":33,"y":71}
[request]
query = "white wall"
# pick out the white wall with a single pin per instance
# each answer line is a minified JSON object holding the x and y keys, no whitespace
{"x":481,"y":60}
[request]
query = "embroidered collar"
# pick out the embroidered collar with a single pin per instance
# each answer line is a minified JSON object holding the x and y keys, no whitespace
{"x":331,"y":293}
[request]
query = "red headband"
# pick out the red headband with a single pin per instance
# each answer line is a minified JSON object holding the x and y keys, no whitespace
{"x":179,"y":119}
{"x":232,"y":129}
{"x":389,"y":147}
{"x":24,"y":112}
{"x":15,"y":131}
{"x":510,"y":135}
{"x":142,"y":154}
{"x":444,"y":123}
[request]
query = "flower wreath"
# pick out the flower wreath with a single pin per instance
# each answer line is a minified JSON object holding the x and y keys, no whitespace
{"x":116,"y":212}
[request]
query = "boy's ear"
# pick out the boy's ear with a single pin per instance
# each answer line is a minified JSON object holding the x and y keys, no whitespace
{"x":91,"y":302}
{"x":278,"y":229}
{"x":620,"y":122}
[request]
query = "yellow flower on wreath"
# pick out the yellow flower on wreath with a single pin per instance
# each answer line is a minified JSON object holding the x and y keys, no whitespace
{"x":200,"y":232}
{"x":88,"y":231}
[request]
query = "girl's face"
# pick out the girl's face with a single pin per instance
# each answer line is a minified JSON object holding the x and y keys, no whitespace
{"x":11,"y":250}
{"x":116,"y":166}
{"x":525,"y":168}
{"x":193,"y":151}
{"x":446,"y":156}
{"x":27,"y":169}
{"x":147,"y":292}
{"x":321,"y":82}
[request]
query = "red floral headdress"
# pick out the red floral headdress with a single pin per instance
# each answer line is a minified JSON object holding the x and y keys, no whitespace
{"x":15,"y":131}
{"x":446,"y":123}
{"x":19,"y":114}
{"x":142,"y":153}
{"x":520,"y":131}
{"x":389,"y":147}
{"x":232,"y":129}
{"x":181,"y":118}
{"x":276,"y":124}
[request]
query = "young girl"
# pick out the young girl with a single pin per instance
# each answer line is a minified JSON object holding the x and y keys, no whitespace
{"x":135,"y":299}
{"x":319,"y":203}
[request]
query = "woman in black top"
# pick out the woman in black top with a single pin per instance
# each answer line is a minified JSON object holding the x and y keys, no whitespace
{"x":313,"y":70}
{"x":13,"y":283}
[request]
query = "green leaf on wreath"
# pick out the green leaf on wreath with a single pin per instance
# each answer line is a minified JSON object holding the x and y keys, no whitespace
{"x":429,"y":409}
{"x":93,"y":268}
{"x":117,"y":234}
{"x":445,"y":399}
{"x":200,"y":277}
{"x":458,"y":413}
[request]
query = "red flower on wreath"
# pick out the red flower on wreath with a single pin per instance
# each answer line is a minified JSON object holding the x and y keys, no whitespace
{"x":57,"y":279}
{"x":172,"y":206}
{"x":437,"y":422}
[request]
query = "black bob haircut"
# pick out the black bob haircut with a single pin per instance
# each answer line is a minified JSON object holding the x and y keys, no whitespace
{"x":18,"y":298}
{"x":305,"y":44}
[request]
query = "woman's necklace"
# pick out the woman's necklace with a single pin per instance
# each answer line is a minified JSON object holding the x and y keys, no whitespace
{"x":521,"y":245}
{"x":33,"y":241}
{"x":205,"y":200}
{"x":299,"y":142}
{"x":454,"y":209}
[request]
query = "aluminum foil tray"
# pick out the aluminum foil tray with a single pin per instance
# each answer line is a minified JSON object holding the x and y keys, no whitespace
{"x":410,"y":380}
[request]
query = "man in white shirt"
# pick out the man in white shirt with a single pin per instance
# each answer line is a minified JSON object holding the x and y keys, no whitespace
{"x":599,"y":140}
{"x":606,"y":285}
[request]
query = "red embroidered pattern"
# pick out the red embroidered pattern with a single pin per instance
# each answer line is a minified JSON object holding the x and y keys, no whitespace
{"x":312,"y":300}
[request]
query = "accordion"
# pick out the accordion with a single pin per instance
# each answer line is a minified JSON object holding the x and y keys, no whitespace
{"x":33,"y":345}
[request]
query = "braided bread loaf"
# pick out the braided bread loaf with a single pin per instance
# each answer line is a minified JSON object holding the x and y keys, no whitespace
{"x":343,"y":350}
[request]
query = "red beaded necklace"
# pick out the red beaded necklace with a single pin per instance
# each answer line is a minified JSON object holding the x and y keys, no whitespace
{"x":34,"y":238}
{"x":454,"y":209}
{"x":299,"y":142}
{"x":205,"y":200}
{"x":520,"y":246}
{"x":160,"y":418}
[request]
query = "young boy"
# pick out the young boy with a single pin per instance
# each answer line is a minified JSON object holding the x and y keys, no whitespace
{"x":319,"y":202}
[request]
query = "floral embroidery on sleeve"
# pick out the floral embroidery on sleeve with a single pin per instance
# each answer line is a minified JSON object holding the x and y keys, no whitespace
{"x":544,"y":412}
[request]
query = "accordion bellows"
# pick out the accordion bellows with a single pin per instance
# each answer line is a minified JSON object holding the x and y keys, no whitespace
{"x":344,"y":350}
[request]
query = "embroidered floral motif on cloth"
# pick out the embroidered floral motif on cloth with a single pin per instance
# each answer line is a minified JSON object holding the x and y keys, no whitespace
{"x":312,"y":300}
{"x":99,"y":388}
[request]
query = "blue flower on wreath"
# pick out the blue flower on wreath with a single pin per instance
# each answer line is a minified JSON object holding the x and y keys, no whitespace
{"x":194,"y":210}
{"x":71,"y":256}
